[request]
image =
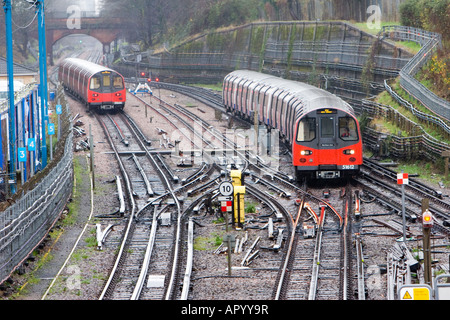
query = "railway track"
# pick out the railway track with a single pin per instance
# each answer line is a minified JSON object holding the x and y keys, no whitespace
{"x":415,"y":191}
{"x":138,"y":174}
{"x":151,"y":249}
{"x":328,"y":266}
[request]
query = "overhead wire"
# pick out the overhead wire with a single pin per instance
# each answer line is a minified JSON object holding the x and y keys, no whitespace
{"x":27,"y":25}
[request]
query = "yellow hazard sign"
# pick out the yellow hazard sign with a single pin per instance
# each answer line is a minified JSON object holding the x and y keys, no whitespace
{"x":415,"y":292}
{"x":406,"y":296}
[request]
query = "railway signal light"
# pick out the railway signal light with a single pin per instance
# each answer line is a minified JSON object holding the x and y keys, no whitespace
{"x":143,"y":74}
{"x":427,"y":219}
{"x":157,"y":79}
{"x":149,"y":80}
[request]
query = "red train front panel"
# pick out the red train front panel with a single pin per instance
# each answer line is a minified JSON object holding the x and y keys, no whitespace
{"x":106,"y":91}
{"x":327,"y":144}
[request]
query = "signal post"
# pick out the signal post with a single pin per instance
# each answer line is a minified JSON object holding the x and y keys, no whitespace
{"x":232,"y":200}
{"x":427,"y":224}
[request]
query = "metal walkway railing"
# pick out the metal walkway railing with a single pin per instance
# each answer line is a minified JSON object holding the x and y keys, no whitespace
{"x":430,"y":41}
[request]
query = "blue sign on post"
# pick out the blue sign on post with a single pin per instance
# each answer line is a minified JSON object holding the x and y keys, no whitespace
{"x":51,"y":129}
{"x":58,"y":109}
{"x":31,"y":144}
{"x":22,"y":153}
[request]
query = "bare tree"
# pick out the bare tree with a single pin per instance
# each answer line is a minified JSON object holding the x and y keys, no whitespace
{"x":143,"y":19}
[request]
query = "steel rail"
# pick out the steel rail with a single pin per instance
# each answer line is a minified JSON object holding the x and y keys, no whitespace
{"x":169,"y":292}
{"x":346,"y":249}
{"x":144,"y":176}
{"x":148,"y":253}
{"x":413,"y":185}
{"x":206,"y":126}
{"x":131,"y":221}
{"x":119,"y":131}
{"x":289,"y":252}
{"x":316,"y":260}
{"x":169,"y":289}
{"x":360,"y":268}
{"x":189,"y":263}
{"x":190,"y":239}
{"x":344,"y":256}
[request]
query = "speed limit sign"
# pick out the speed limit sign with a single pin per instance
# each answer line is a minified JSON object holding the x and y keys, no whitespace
{"x":226,"y":188}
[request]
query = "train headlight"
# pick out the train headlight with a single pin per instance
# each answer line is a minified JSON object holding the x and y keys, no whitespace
{"x":118,"y":94}
{"x":306,"y":152}
{"x":95,"y":94}
{"x":349,"y":151}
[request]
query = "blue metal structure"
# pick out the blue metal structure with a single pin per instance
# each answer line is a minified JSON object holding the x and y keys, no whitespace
{"x":43,"y":76}
{"x":15,"y":127}
{"x":9,"y":60}
{"x":27,"y":133}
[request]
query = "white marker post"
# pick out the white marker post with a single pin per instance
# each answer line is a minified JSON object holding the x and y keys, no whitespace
{"x":402,"y":178}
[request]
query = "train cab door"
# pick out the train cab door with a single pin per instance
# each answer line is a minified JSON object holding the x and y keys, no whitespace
{"x":327,"y":136}
{"x":107,"y":87}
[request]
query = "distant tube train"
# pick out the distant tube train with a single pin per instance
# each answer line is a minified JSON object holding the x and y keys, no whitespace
{"x":98,"y":87}
{"x":321,"y":128}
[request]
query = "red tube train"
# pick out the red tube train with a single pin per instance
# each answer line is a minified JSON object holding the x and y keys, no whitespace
{"x":321,"y":128}
{"x":98,"y":87}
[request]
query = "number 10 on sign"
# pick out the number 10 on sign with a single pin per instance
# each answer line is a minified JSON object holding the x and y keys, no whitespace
{"x":226,"y":188}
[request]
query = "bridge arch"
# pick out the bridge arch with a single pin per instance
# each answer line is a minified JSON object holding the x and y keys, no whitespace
{"x":77,"y":41}
{"x":105,"y":30}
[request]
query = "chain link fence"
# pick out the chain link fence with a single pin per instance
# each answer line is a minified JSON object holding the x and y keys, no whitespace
{"x":28,"y":216}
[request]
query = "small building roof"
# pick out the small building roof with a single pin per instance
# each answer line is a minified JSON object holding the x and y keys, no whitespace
{"x":18,"y":69}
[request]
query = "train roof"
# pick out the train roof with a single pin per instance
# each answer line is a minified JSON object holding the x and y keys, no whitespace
{"x":92,"y":67}
{"x":311,"y":97}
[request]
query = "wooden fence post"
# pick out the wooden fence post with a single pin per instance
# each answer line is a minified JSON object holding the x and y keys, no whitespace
{"x":446,"y":155}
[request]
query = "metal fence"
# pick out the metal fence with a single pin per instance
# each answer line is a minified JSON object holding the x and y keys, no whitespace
{"x":430,"y":42}
{"x":425,"y":117}
{"x":38,"y":205}
{"x":418,"y":144}
{"x":293,"y":45}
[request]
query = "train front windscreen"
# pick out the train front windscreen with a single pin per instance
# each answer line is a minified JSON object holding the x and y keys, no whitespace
{"x":106,"y":82}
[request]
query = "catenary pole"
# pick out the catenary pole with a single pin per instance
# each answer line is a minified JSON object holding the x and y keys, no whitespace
{"x":10,"y":70}
{"x":43,"y":77}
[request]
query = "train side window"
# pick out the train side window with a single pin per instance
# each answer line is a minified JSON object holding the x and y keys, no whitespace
{"x":95,"y":83}
{"x":347,"y":129}
{"x":117,"y":82}
{"x":306,"y":130}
